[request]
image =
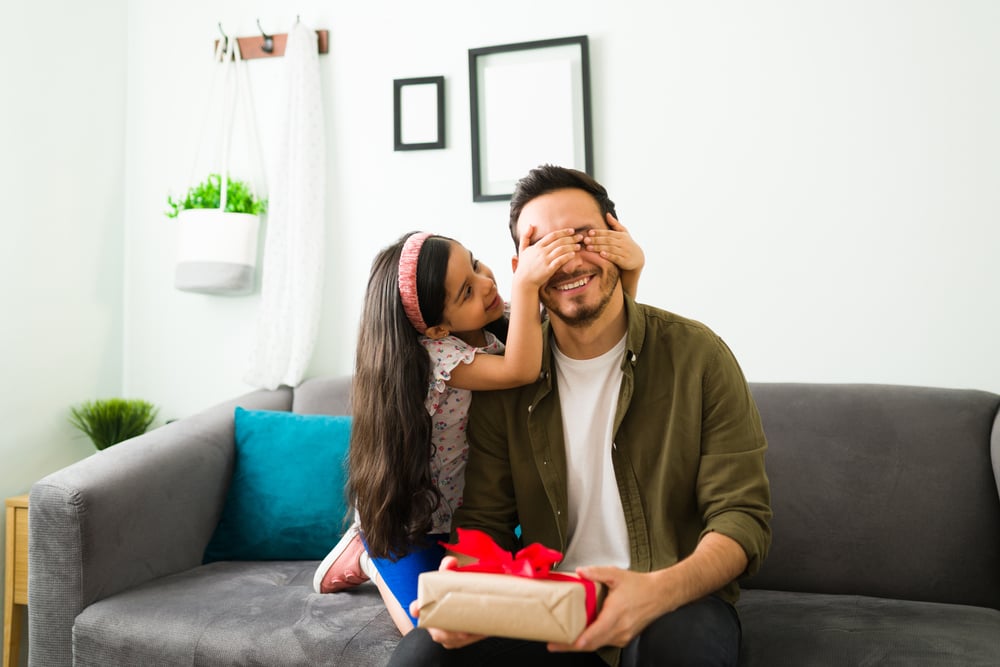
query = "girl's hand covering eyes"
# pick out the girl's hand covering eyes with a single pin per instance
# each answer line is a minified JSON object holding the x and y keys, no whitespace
{"x":537,"y":262}
{"x":616,"y":245}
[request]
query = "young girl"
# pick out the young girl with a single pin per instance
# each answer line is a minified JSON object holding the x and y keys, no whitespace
{"x":431,"y":334}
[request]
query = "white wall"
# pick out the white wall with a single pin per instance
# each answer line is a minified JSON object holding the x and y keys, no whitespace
{"x":62,"y":113}
{"x":816,"y":181}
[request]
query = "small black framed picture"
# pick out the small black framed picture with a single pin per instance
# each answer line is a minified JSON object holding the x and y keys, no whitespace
{"x":530,"y":105}
{"x":418,"y":109}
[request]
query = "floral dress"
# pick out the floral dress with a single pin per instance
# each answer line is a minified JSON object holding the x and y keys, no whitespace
{"x":449,"y":411}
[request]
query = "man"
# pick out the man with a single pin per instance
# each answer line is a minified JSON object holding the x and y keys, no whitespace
{"x":638,"y":453}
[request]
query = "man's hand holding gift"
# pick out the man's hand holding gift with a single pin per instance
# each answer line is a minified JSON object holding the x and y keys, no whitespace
{"x":623,"y":613}
{"x":635,"y":599}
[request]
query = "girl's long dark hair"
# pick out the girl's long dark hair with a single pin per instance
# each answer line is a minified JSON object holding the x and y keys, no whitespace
{"x":390,"y":473}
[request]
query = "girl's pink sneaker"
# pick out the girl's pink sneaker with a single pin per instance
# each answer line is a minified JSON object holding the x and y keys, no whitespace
{"x":341,"y":568}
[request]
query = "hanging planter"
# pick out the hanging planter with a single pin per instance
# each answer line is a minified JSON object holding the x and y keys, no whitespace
{"x":217,"y":232}
{"x":216,"y":252}
{"x":218,"y":220}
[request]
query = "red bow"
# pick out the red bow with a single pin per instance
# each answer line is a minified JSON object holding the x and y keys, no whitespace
{"x":532,"y":562}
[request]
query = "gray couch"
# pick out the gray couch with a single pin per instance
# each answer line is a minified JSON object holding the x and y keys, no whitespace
{"x":886,"y":544}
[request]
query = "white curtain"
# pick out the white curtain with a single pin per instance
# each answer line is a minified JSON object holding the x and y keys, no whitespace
{"x":292,"y":271}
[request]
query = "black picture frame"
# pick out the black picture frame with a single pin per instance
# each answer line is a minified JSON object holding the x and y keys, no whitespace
{"x":418,"y":113}
{"x":529,"y":105}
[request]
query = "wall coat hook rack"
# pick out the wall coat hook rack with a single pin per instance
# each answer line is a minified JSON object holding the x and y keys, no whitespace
{"x":270,"y":46}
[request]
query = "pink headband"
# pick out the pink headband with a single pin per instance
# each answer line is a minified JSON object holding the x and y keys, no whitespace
{"x":408,"y":279}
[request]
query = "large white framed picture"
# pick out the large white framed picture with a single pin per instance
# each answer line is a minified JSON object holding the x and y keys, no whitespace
{"x":530,"y":105}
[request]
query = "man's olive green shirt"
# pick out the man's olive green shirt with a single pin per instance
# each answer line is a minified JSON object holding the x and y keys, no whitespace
{"x":688,"y":451}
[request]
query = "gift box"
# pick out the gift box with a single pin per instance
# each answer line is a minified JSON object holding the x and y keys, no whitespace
{"x":502,"y":605}
{"x":501,"y":595}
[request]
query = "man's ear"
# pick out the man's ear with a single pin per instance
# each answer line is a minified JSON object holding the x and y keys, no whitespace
{"x":436,"y":332}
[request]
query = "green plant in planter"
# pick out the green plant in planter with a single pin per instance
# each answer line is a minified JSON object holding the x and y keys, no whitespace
{"x":111,"y":420}
{"x":208,"y":194}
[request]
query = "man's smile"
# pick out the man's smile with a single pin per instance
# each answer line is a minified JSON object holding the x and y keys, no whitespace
{"x":573,"y":284}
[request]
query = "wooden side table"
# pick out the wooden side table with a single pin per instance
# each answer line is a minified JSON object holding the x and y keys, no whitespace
{"x":15,"y":598}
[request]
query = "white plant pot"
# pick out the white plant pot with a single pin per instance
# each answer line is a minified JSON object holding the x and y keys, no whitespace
{"x":216,"y":251}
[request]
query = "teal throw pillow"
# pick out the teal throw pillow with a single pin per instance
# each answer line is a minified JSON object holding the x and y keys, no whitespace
{"x":287,"y":498}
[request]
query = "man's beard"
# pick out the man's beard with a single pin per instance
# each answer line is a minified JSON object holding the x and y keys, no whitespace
{"x":578,"y":314}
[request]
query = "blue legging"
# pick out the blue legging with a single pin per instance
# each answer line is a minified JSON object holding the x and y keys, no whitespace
{"x":401,"y":575}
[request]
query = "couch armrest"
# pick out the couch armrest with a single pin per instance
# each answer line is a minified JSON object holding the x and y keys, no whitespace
{"x":142,"y":509}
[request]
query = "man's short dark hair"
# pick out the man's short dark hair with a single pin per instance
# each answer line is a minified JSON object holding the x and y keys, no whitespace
{"x":548,"y":178}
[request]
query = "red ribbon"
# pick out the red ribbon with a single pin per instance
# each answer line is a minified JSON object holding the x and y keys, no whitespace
{"x":534,"y":561}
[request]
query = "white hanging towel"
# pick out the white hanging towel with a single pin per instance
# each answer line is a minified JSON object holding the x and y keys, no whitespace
{"x":294,"y":247}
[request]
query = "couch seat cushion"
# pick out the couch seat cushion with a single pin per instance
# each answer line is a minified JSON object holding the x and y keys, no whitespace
{"x":236,"y":613}
{"x":781,"y":628}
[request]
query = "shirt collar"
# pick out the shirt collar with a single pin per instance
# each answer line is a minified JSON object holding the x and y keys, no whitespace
{"x":635,"y":337}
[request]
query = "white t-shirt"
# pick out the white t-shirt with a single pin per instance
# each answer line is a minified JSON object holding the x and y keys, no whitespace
{"x":588,"y":396}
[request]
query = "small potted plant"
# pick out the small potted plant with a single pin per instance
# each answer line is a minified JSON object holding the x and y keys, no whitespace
{"x":218,"y":228}
{"x":111,"y":420}
{"x":208,"y":194}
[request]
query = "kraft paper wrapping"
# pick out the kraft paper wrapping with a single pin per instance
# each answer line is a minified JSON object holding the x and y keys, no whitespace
{"x":501,"y":605}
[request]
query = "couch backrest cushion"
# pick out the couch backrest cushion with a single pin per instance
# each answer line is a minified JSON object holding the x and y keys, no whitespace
{"x":882,"y":490}
{"x":323,"y":396}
